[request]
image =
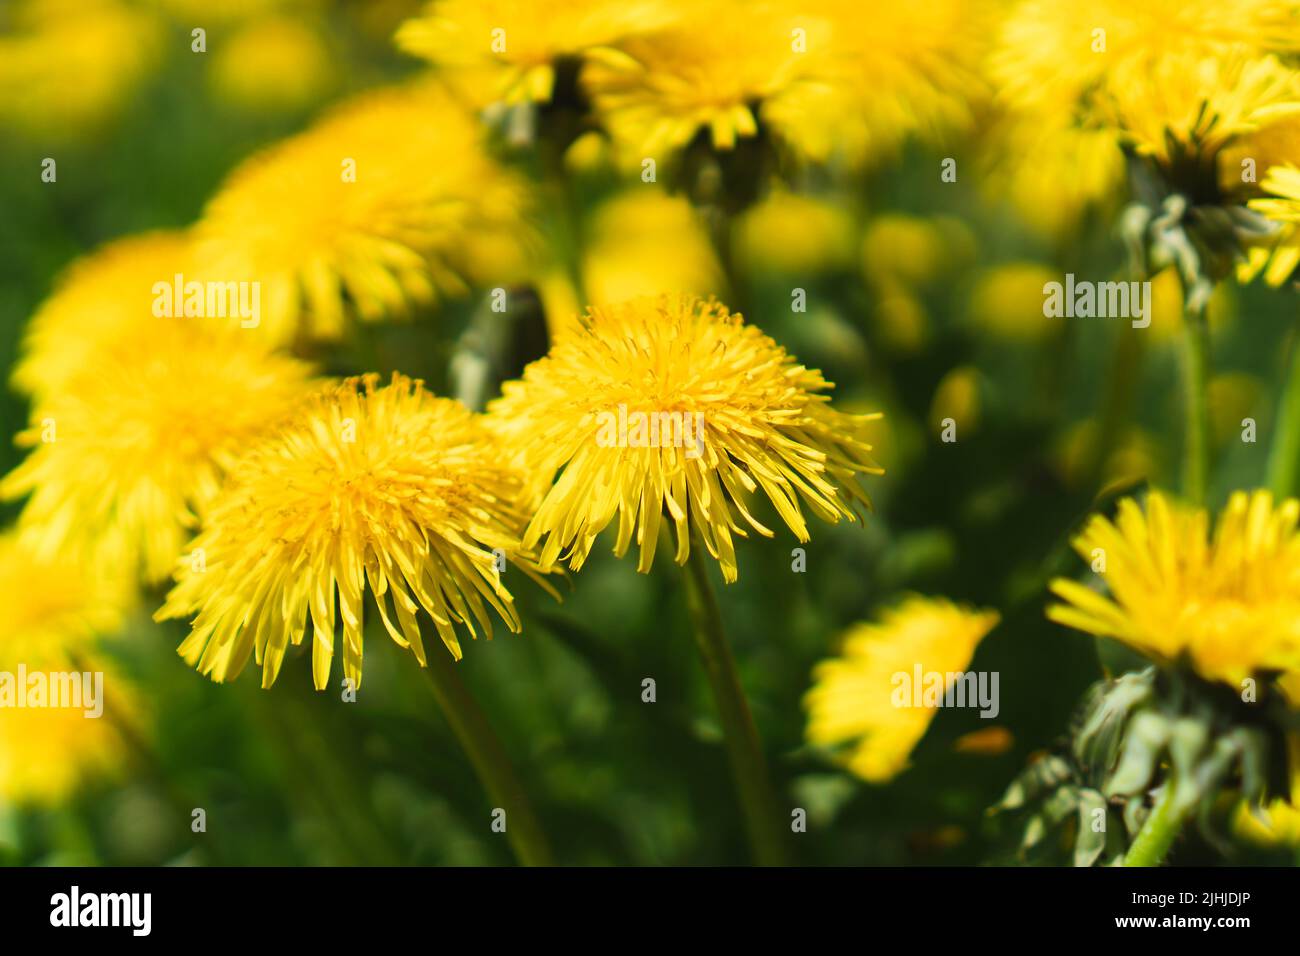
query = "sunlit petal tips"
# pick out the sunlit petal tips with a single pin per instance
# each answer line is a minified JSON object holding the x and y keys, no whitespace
{"x":672,"y":408}
{"x":388,"y":488}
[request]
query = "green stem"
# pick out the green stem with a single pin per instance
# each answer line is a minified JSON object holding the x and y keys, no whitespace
{"x":763,"y":820}
{"x":1158,"y":832}
{"x":493,"y":767}
{"x":1284,"y":454}
{"x":1196,"y":378}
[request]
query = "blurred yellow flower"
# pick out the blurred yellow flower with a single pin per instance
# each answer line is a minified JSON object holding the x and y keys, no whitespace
{"x":387,"y":486}
{"x":675,"y":403}
{"x":508,"y":50}
{"x":644,"y":241}
{"x":909,"y":249}
{"x":793,"y":234}
{"x":1185,"y":107}
{"x":68,"y":67}
{"x":863,"y":702}
{"x":272,"y":65}
{"x":1007,"y":301}
{"x":1229,"y":603}
{"x":957,"y":397}
{"x":130,"y":447}
{"x":722,"y":67}
{"x":97,"y":299}
{"x":47,"y":753}
{"x":883,"y":72}
{"x":54,"y":613}
{"x":55,"y":609}
{"x":391,"y":191}
{"x":1052,"y":55}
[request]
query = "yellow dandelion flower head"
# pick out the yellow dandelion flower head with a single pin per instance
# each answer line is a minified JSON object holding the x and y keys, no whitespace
{"x":126,"y":451}
{"x":1195,"y":106}
{"x":674,"y":403}
{"x":883,"y":72}
{"x":1051,"y":54}
{"x":1228,"y":603}
{"x":93,"y":302}
{"x":1054,"y":170}
{"x":875,"y":700}
{"x":47,"y":753}
{"x":54,"y":609}
{"x":391,"y":193}
{"x":720,"y":68}
{"x":795,"y":234}
{"x":386,"y":486}
{"x":643,"y":241}
{"x":511,"y":47}
{"x":69,"y":66}
{"x":272,"y":65}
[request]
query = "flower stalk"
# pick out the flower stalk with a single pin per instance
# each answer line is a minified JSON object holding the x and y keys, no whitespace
{"x":748,"y":766}
{"x":488,"y":756}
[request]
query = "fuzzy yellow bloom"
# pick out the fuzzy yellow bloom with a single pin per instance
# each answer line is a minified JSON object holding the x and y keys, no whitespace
{"x":1228,"y":603}
{"x":54,"y":613}
{"x":1184,"y":106}
{"x":391,"y":193}
{"x":47,"y":752}
{"x":131,"y":447}
{"x":1052,"y":54}
{"x":388,"y":487}
{"x":67,"y":67}
{"x":509,"y":49}
{"x":722,"y":67}
{"x":674,"y":403}
{"x":272,"y":65}
{"x":863,"y":701}
{"x":55,"y":609}
{"x":644,"y":241}
{"x":98,"y":298}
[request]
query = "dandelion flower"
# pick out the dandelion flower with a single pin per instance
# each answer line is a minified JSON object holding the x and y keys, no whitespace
{"x":859,"y":701}
{"x":392,"y":193}
{"x":272,"y":65}
{"x":55,"y":609}
{"x":98,"y":298}
{"x":718,"y":69}
{"x":1228,"y":603}
{"x":674,"y":403}
{"x":54,"y":614}
{"x":68,"y":67}
{"x":512,"y":47}
{"x":46,"y":753}
{"x":388,"y":486}
{"x":131,"y":448}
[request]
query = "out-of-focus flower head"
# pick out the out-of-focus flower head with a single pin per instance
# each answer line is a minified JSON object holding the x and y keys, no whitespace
{"x":675,"y":404}
{"x":386,"y":487}
{"x":1081,"y":83}
{"x":1228,"y":603}
{"x":864,"y":702}
{"x":272,"y":65}
{"x":68,"y":67}
{"x":392,"y":194}
{"x":644,"y":241}
{"x":795,"y":234}
{"x":720,"y":69}
{"x":55,"y":611}
{"x":96,"y":299}
{"x":126,"y":451}
{"x":508,"y":51}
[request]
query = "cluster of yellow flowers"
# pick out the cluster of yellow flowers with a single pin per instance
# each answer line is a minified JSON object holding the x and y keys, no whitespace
{"x":186,"y":447}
